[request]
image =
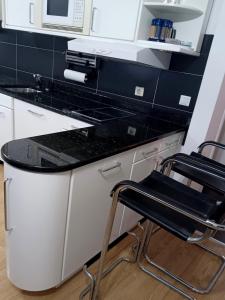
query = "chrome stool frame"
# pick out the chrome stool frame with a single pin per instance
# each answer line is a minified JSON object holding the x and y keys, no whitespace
{"x":142,"y":244}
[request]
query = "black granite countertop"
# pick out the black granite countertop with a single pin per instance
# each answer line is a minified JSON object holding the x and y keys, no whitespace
{"x":72,"y":149}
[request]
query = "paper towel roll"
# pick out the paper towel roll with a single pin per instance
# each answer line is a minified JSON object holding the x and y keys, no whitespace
{"x":76,"y":76}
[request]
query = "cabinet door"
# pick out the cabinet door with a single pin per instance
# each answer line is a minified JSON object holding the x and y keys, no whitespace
{"x":36,"y":216}
{"x":89,"y":208}
{"x":6,"y":126}
{"x":115,"y":19}
{"x":41,"y":121}
{"x":139,"y":171}
{"x":20,"y":13}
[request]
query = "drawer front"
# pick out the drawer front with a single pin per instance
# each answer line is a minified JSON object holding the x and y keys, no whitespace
{"x":6,"y":101}
{"x":70,"y":124}
{"x":41,"y":121}
{"x":171,"y":141}
{"x":147,"y":151}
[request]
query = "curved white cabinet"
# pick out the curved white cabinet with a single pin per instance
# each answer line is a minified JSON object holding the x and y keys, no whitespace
{"x":36,"y":213}
{"x":55,"y":222}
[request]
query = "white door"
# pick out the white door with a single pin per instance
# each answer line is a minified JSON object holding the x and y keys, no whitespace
{"x":139,"y":171}
{"x":6,"y":126}
{"x":31,"y":120}
{"x":20,"y":13}
{"x":115,"y":19}
{"x":36,"y":210}
{"x":89,"y":207}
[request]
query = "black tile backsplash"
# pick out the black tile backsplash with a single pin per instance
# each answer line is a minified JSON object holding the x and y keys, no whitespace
{"x":172,"y":85}
{"x":35,"y":40}
{"x":122,"y":78}
{"x":24,"y":53}
{"x":192,"y":64}
{"x":8,"y":55}
{"x":34,"y":60}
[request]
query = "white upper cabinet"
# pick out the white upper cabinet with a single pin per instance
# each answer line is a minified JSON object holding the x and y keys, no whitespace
{"x":22,"y":13}
{"x":115,"y":19}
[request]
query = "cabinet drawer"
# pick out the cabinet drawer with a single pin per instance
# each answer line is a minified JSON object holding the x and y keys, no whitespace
{"x":6,"y":101}
{"x":147,"y":151}
{"x":171,"y":141}
{"x":41,"y":121}
{"x":70,"y":123}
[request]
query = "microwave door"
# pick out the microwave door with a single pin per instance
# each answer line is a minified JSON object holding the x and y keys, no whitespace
{"x":59,"y":12}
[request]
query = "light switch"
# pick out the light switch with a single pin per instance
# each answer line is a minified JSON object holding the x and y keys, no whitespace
{"x":139,"y":91}
{"x":185,"y":100}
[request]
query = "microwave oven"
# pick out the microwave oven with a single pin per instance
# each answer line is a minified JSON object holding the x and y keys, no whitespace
{"x":70,"y":15}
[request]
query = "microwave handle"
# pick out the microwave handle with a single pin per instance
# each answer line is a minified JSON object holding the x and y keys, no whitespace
{"x":31,"y":11}
{"x":94,"y":10}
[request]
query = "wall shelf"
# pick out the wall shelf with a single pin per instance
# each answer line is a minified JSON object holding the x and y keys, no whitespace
{"x":174,"y":9}
{"x":167,"y":47}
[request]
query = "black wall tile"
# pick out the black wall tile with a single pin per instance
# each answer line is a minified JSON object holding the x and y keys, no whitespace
{"x":60,"y":43}
{"x":36,"y":40}
{"x":8,"y":55}
{"x":192,"y":64}
{"x":122,"y":78}
{"x":5,"y":72}
{"x":8,"y":36}
{"x":45,"y":54}
{"x":34,"y":60}
{"x":207,"y":43}
{"x":59,"y":68}
{"x":172,"y":85}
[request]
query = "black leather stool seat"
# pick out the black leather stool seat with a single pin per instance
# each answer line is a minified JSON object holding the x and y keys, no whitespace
{"x":175,"y":193}
{"x":206,"y":164}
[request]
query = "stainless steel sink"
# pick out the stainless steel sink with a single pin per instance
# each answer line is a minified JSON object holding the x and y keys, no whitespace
{"x":23,"y":90}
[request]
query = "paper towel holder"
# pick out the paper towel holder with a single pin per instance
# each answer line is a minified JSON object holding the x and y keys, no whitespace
{"x":83,"y":62}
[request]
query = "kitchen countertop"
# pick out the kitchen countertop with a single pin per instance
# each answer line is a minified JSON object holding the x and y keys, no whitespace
{"x":68,"y":150}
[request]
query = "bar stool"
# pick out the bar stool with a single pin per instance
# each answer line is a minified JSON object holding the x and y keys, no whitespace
{"x":212,"y":185}
{"x":186,"y":213}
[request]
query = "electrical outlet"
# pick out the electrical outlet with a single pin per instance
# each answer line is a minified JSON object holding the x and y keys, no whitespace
{"x":132,"y":131}
{"x":185,"y":100}
{"x":139,"y":91}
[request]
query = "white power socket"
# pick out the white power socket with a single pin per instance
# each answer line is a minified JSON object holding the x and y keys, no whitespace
{"x":185,"y":100}
{"x":139,"y":91}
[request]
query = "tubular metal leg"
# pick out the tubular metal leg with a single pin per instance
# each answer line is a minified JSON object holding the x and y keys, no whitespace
{"x":145,"y":241}
{"x":179,"y":279}
{"x":94,"y":287}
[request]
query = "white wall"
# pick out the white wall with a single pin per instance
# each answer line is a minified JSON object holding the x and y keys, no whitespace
{"x":214,"y":17}
{"x":211,"y":85}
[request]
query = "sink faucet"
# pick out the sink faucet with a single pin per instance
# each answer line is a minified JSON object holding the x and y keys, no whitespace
{"x":38,"y":81}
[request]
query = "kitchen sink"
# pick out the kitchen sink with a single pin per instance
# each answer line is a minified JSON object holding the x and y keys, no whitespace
{"x":22,"y":90}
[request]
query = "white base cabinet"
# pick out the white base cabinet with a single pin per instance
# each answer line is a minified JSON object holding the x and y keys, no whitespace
{"x":6,"y":120}
{"x":36,"y":218}
{"x":6,"y":126}
{"x":31,"y":120}
{"x":89,"y":208}
{"x":55,"y":222}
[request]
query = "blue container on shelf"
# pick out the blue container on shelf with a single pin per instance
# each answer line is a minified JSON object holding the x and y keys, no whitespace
{"x":155,"y":30}
{"x":160,"y":30}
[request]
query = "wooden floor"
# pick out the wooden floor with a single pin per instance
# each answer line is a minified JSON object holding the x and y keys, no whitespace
{"x":127,"y":282}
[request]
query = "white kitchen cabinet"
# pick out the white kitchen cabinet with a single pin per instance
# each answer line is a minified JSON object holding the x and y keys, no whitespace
{"x":117,"y":19}
{"x":36,"y":213}
{"x":139,"y":171}
{"x":6,"y":126}
{"x":6,"y":120}
{"x":20,"y":13}
{"x":31,"y":120}
{"x":89,"y":207}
